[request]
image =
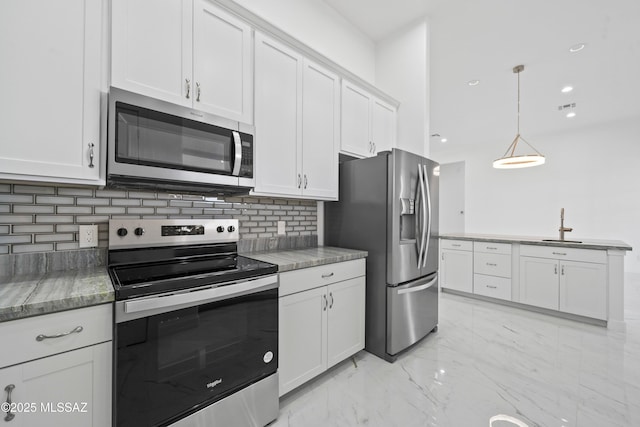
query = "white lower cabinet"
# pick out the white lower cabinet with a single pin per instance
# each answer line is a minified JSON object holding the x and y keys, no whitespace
{"x":58,"y":380}
{"x":570,"y":286}
{"x":456,"y":265}
{"x":321,"y":320}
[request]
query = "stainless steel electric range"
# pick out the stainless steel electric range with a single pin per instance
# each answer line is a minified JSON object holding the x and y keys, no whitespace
{"x":196,"y":326}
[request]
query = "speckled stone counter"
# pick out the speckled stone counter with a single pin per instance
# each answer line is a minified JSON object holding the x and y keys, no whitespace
{"x":35,"y":294}
{"x":309,"y":257}
{"x":528,"y":240}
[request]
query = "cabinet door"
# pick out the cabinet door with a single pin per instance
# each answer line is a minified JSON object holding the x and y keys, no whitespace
{"x":151,"y":48}
{"x":278,"y":118}
{"x":50,"y":84}
{"x":68,"y":389}
{"x":302,"y":337}
{"x":320,"y":132}
{"x":539,"y":282}
{"x":356,"y":116}
{"x":222,"y":68}
{"x":346,"y":319}
{"x":456,"y":270}
{"x":583,"y":289}
{"x":383,"y":126}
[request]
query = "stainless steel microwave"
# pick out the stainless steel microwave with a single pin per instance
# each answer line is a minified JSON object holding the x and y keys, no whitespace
{"x":160,"y":146}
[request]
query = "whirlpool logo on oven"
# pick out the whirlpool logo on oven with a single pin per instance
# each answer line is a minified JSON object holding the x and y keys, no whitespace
{"x":212,"y":384}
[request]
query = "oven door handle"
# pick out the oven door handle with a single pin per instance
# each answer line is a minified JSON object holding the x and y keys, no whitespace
{"x":202,"y":296}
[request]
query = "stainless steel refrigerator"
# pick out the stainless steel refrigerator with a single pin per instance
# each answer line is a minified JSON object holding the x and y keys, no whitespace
{"x":389,"y":207}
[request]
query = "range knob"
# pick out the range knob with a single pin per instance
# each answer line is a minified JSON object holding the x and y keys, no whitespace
{"x":138,"y":231}
{"x":231,"y":229}
{"x":122,"y":232}
{"x":220,"y":229}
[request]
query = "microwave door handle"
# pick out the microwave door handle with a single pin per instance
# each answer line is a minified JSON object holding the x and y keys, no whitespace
{"x":238,"y":150}
{"x":428,"y":197}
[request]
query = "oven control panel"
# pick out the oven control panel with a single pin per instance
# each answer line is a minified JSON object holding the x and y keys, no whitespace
{"x":134,"y":233}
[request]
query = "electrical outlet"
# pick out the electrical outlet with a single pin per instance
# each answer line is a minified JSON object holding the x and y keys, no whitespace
{"x":281,"y":225}
{"x":88,"y":236}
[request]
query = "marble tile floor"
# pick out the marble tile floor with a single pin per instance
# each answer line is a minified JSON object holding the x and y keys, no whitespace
{"x":487,"y":359}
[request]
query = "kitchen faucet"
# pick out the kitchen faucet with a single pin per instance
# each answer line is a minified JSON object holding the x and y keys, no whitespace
{"x":562,"y":228}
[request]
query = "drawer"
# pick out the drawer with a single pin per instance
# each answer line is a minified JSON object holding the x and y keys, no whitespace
{"x":463,"y":245}
{"x":313,"y":277}
{"x":492,"y":248}
{"x":492,"y":264}
{"x":490,"y":286}
{"x":19,"y":342}
{"x":559,"y":252}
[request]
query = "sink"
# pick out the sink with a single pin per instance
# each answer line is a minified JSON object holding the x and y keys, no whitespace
{"x":561,"y":241}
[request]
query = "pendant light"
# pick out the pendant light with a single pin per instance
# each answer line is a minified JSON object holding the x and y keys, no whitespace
{"x":510,"y":160}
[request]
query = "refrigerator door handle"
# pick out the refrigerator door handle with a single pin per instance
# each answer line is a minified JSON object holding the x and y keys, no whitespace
{"x":419,"y":288}
{"x":426,"y":246}
{"x":423,"y":211}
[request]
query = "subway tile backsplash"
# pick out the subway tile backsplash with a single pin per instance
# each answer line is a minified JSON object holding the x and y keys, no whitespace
{"x":35,"y":218}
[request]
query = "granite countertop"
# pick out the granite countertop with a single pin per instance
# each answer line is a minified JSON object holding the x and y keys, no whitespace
{"x":529,"y":240}
{"x":294,"y":259}
{"x":35,"y":294}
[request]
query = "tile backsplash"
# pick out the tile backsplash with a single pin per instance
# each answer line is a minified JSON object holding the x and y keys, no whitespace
{"x":36,"y":218}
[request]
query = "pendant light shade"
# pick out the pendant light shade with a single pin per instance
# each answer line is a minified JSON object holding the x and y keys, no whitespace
{"x":511,"y":160}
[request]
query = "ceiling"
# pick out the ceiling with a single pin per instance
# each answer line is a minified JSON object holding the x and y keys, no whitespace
{"x":484,"y":40}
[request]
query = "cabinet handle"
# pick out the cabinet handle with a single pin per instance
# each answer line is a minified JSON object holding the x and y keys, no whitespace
{"x":555,"y":269}
{"x":198,"y":92}
{"x":91,"y":146}
{"x":492,"y":248}
{"x":75,"y":330}
{"x":370,"y":147}
{"x":492,"y":265}
{"x":559,"y":253}
{"x":443,"y":256}
{"x":326,"y":276}
{"x":324,"y":307}
{"x":331,"y":295}
{"x":305,"y":181}
{"x":374,"y":147}
{"x":562,"y":271}
{"x":299,"y":181}
{"x":188,"y":87}
{"x":455,"y":245}
{"x":9,"y":415}
{"x":492,"y":287}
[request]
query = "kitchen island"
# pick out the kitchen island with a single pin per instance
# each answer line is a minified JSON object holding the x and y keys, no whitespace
{"x":579,"y":279}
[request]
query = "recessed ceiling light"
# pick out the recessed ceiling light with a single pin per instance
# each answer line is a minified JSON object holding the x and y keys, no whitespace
{"x":473,"y":82}
{"x":567,"y":89}
{"x":443,"y":140}
{"x":577,"y":47}
{"x":571,"y":114}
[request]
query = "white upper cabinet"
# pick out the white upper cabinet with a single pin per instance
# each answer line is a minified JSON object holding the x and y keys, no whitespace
{"x":50,"y":83}
{"x":297,"y":124}
{"x":278,"y":118}
{"x":187,"y":52}
{"x":368,"y":123}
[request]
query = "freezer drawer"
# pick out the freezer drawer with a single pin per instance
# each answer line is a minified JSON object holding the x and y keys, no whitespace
{"x":412,"y":312}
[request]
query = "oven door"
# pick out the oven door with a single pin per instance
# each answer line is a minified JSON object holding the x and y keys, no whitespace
{"x":176,"y":354}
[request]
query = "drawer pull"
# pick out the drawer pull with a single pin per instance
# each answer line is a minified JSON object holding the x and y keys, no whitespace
{"x":492,"y":287}
{"x":491,"y":264}
{"x":75,"y":330}
{"x":9,"y":415}
{"x":493,"y":248}
{"x":559,"y":253}
{"x":326,"y":276}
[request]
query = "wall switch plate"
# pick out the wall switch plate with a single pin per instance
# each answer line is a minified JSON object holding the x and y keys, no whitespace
{"x":88,"y":236}
{"x":281,"y":225}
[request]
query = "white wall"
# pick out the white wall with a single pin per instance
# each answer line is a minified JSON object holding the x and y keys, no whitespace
{"x":592,"y":172}
{"x":402,"y":72}
{"x":320,"y":27}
